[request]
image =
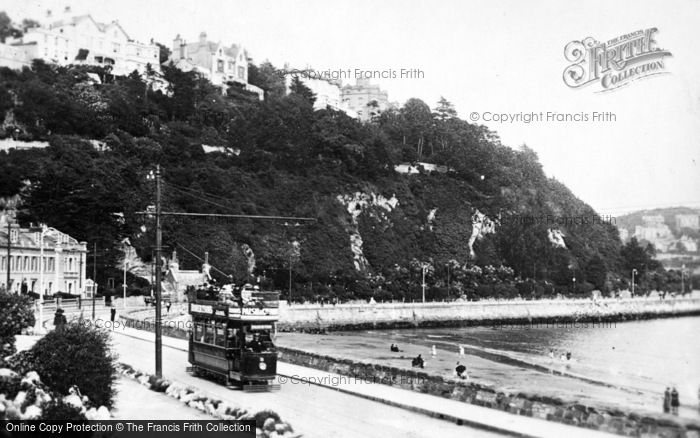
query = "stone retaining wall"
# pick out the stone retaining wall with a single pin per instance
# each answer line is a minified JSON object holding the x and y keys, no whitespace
{"x":314,"y":318}
{"x":551,"y":409}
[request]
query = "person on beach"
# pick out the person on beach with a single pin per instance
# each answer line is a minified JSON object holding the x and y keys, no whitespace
{"x":461,"y":371}
{"x":667,"y":400}
{"x":674,"y":401}
{"x":461,"y":351}
{"x":568,"y":356}
{"x":418,"y":362}
{"x":434,"y":351}
{"x":551,"y":354}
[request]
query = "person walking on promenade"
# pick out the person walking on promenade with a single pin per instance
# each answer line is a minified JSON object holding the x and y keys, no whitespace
{"x":112,"y":313}
{"x":59,"y":319}
{"x":674,"y":401}
{"x":167,"y":307}
{"x":667,"y":401}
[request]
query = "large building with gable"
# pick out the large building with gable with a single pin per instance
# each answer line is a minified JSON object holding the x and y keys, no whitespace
{"x":81,"y":40}
{"x":213,"y":60}
{"x":61,"y":270}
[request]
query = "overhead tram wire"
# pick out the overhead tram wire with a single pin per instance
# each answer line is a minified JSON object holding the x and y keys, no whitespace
{"x":223,"y":215}
{"x":202,"y":193}
{"x":202,"y":260}
{"x":198,"y":197}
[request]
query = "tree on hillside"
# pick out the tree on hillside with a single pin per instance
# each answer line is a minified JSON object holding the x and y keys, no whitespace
{"x":445,"y":110}
{"x":297,"y":87}
{"x":89,"y":195}
{"x":634,"y":256}
{"x":182,"y":85}
{"x":417,"y":124}
{"x":267,"y":77}
{"x":6,"y":27}
{"x":596,"y":272}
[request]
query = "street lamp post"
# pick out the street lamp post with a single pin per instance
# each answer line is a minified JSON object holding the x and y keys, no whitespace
{"x":126,"y":264}
{"x":127,"y":251}
{"x":424,"y":268}
{"x":290,"y":278}
{"x":682,"y":279}
{"x":9,"y":252}
{"x":634,"y":271}
{"x":40,"y":324}
{"x":448,"y":279}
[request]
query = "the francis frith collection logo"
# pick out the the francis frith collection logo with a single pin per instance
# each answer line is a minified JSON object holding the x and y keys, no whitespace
{"x":614,"y":63}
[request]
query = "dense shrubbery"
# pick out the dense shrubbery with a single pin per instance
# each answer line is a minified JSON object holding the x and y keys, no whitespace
{"x":76,"y":355}
{"x":23,"y":395}
{"x":16,"y":313}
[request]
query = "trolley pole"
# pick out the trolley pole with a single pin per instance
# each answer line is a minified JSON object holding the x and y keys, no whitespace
{"x":159,"y":238}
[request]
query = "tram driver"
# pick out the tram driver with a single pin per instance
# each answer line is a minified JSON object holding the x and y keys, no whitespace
{"x":255,"y":344}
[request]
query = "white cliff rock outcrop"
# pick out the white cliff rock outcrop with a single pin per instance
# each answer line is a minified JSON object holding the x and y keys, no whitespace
{"x":481,"y":226}
{"x":250,"y":257}
{"x":355,"y":205}
{"x":431,"y":218}
{"x":556,"y":238}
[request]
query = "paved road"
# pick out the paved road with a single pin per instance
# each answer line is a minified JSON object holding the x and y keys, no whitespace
{"x":136,"y":402}
{"x":313,"y":410}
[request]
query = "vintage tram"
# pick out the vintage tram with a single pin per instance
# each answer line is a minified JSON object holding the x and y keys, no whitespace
{"x":232,"y":335}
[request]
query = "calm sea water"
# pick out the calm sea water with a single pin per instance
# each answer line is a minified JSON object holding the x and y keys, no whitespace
{"x":645,"y":356}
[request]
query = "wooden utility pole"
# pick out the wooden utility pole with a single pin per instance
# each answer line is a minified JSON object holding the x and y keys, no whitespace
{"x":159,"y":239}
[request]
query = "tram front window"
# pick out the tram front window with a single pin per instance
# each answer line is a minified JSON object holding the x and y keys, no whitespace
{"x":258,"y":341}
{"x":253,"y":343}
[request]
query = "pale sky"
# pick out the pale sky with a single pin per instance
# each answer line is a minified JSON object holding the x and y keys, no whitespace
{"x":484,"y":56}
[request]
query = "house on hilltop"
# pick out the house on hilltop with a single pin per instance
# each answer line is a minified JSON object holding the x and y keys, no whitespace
{"x":214,"y":61}
{"x":81,"y":40}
